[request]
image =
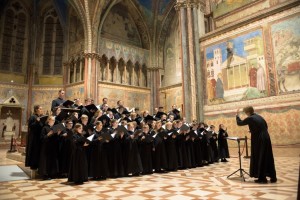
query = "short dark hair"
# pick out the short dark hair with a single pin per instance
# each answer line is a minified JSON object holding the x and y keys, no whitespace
{"x":36,"y":107}
{"x":248,"y":109}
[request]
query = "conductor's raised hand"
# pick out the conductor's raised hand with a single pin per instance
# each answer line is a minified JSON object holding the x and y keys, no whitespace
{"x":238,"y":111}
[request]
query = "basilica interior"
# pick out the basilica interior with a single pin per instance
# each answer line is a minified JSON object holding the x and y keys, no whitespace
{"x":207,"y":57}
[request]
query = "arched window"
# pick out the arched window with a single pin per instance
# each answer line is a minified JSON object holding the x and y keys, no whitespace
{"x":14,"y":38}
{"x":53,"y":41}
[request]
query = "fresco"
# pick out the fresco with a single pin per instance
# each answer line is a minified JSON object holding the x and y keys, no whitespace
{"x":119,"y":25}
{"x":75,"y":92}
{"x":221,"y":7}
{"x":236,"y":69}
{"x":131,"y":97}
{"x":286,"y":48}
{"x":44,"y":97}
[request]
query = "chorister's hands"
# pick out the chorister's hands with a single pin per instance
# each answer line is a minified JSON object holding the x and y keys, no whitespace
{"x":50,"y":133}
{"x":85,"y":144}
{"x":38,"y":119}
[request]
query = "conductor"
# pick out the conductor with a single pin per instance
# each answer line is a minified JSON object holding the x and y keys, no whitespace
{"x":262,"y":160}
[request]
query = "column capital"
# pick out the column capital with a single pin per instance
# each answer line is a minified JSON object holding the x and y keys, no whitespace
{"x":179,"y":5}
{"x":91,"y":55}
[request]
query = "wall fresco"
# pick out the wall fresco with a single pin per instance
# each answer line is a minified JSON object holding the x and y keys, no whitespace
{"x":236,"y":69}
{"x":131,"y":96}
{"x":286,"y":49}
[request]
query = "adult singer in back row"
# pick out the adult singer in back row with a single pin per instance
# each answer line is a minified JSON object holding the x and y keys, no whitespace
{"x":262,"y":160}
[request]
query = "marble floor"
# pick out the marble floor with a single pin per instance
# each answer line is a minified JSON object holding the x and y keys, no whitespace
{"x":209,"y":182}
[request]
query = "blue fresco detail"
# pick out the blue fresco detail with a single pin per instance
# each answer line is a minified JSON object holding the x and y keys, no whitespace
{"x":238,"y":46}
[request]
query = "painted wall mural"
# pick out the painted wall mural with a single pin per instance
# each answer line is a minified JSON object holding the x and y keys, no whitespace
{"x":236,"y":69}
{"x":286,"y":48}
{"x":132,"y":97}
{"x":119,"y":25}
{"x":75,"y":92}
{"x":221,"y":7}
{"x":171,"y":96}
{"x":44,"y":97}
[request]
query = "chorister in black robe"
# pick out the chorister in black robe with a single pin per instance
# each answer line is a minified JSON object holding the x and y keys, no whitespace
{"x":33,"y":142}
{"x":214,"y":146}
{"x":116,"y":155}
{"x":133,"y":163}
{"x":159,"y":153}
{"x":262,"y":160}
{"x":65,"y":150}
{"x":222,"y":144}
{"x":98,"y":157}
{"x":146,"y":147}
{"x":78,"y":172}
{"x":197,"y":148}
{"x":49,"y":153}
{"x":171,"y":150}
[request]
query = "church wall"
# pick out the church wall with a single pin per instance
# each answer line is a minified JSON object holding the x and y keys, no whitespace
{"x":272,"y":44}
{"x":75,"y":91}
{"x":130,"y":95}
{"x":228,"y":11}
{"x":170,"y":96}
{"x":20,"y":92}
{"x":43,"y":96}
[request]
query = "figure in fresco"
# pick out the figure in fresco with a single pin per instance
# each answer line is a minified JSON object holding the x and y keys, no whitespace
{"x":261,"y":78}
{"x":219,"y":87}
{"x":213,"y":85}
{"x":210,"y":94}
{"x":281,"y":79}
{"x":253,"y":76}
{"x":229,"y":53}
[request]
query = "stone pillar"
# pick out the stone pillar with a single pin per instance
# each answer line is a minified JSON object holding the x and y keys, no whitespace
{"x":107,"y":71}
{"x":154,"y":85}
{"x":90,"y":76}
{"x":199,"y":18}
{"x":181,"y":8}
{"x":192,"y":61}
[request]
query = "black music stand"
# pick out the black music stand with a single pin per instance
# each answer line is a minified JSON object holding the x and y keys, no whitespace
{"x":241,"y":170}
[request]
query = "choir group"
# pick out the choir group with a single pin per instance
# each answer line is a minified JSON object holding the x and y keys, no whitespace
{"x":81,"y":141}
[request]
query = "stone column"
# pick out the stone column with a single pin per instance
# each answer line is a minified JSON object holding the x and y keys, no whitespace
{"x":181,"y":8}
{"x":191,"y":44}
{"x":90,"y":76}
{"x":199,"y":18}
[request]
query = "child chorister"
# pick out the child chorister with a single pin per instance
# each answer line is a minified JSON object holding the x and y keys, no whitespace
{"x":78,"y":172}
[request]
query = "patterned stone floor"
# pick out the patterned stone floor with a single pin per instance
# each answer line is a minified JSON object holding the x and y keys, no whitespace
{"x":209,"y":182}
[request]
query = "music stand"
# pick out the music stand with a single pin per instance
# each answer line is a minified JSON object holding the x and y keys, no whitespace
{"x":241,"y":170}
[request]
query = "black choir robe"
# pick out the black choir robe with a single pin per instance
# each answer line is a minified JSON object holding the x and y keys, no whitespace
{"x":116,"y":155}
{"x":214,"y":147}
{"x":98,"y":168}
{"x":133,"y":163}
{"x":78,"y":172}
{"x":65,"y":151}
{"x":222,"y":144}
{"x":262,"y":160}
{"x":171,"y":150}
{"x":146,"y":147}
{"x":184,"y":158}
{"x":33,"y":142}
{"x":49,"y":153}
{"x":159,"y":153}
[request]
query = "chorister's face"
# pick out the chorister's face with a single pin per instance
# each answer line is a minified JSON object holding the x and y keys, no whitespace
{"x":99,"y":126}
{"x":39,"y":111}
{"x":61,"y":94}
{"x":69,"y":125}
{"x":79,"y":129}
{"x":51,"y":122}
{"x":84,"y":121}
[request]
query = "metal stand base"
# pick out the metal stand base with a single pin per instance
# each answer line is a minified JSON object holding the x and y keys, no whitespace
{"x":241,"y":170}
